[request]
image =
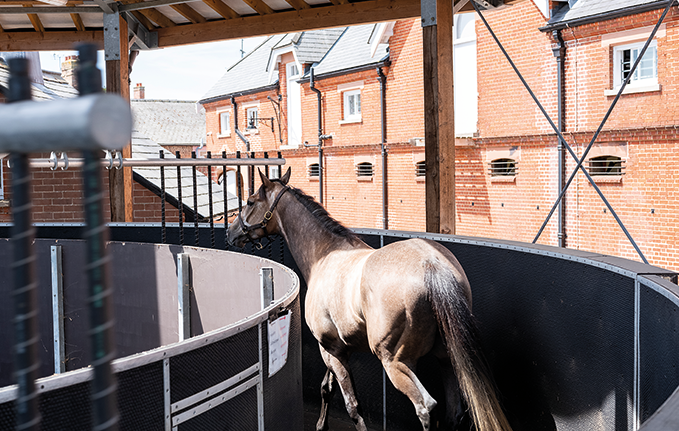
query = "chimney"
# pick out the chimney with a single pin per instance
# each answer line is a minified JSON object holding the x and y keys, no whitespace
{"x":139,"y":92}
{"x":68,"y":67}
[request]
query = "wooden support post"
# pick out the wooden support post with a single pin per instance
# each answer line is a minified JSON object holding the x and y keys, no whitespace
{"x":439,"y":115}
{"x":118,"y":81}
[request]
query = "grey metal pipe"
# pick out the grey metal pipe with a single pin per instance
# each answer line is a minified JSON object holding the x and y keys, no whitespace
{"x":383,"y":121}
{"x":84,"y":123}
{"x":313,"y":88}
{"x":560,"y":54}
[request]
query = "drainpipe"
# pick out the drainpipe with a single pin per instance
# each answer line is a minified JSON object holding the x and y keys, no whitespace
{"x":560,"y":54}
{"x":320,"y":137}
{"x":383,"y":121}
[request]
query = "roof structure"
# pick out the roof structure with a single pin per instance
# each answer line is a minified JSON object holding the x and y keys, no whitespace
{"x":169,"y":122}
{"x":331,"y":51}
{"x":145,"y":148}
{"x":351,"y":51}
{"x":53,"y":86}
{"x":586,"y":11}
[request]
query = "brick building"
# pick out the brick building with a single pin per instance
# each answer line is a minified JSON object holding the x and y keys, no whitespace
{"x":506,"y":151}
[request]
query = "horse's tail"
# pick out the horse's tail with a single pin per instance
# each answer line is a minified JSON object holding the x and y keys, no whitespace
{"x":456,"y":322}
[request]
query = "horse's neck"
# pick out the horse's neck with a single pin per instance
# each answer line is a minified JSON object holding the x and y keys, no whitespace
{"x":308,"y":240}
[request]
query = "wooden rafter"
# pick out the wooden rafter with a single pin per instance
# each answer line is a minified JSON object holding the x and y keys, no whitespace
{"x":189,"y":13}
{"x":225,"y":11}
{"x":157,"y":17}
{"x":143,"y":20}
{"x":48,"y":41}
{"x":289,"y":21}
{"x":1,"y":29}
{"x":339,"y":2}
{"x":259,"y":6}
{"x":298,"y":4}
{"x":35,"y":20}
{"x":78,"y":21}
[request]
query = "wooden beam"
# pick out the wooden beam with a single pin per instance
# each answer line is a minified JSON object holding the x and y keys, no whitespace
{"x":48,"y":41}
{"x":143,"y":20}
{"x":338,"y":2}
{"x":225,"y":11}
{"x":120,"y":180}
{"x":439,"y":120}
{"x":259,"y":6}
{"x":188,"y":12}
{"x":289,"y":21}
{"x":1,"y":29}
{"x":35,"y":21}
{"x":157,"y":17}
{"x":77,"y":20}
{"x":298,"y":4}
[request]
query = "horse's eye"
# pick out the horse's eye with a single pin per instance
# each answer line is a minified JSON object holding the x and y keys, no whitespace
{"x":250,"y":203}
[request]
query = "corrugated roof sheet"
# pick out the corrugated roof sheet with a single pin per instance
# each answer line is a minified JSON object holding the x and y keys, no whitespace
{"x":590,"y":8}
{"x":351,"y":50}
{"x":169,"y":122}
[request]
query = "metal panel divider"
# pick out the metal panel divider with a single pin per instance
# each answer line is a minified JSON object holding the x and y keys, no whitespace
{"x":183,"y":296}
{"x":636,"y":419}
{"x":58,"y":309}
{"x":266,"y":283}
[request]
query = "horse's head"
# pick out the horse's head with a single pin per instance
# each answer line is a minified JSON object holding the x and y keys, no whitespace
{"x":255,"y":219}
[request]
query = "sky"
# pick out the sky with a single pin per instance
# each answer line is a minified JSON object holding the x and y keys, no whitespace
{"x":177,"y":73}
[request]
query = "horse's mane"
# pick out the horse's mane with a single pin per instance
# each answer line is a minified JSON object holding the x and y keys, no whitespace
{"x":321,"y":215}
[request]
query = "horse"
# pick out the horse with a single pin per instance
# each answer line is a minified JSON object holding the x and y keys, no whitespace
{"x":401,"y":302}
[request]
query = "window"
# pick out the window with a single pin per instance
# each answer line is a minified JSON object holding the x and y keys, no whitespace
{"x":364,"y":169}
{"x":251,"y":118}
{"x":314,"y":170}
{"x":225,"y":123}
{"x":503,"y":167}
{"x":605,"y":165}
{"x":625,"y":56}
{"x":421,"y":169}
{"x":352,"y":105}
{"x":274,"y":172}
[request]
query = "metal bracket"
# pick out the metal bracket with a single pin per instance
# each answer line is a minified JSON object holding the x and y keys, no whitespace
{"x":112,"y":35}
{"x":428,"y":12}
{"x":490,"y":4}
{"x":140,"y":38}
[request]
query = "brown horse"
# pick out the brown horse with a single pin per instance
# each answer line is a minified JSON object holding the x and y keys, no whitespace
{"x":400,"y":302}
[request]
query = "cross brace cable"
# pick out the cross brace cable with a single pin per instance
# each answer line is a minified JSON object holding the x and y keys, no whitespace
{"x":563,"y":140}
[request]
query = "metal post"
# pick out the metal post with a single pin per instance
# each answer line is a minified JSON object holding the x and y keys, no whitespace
{"x":239,"y":186}
{"x":58,"y":309}
{"x":24,"y":293}
{"x":183,"y":295}
{"x":210,"y":203}
{"x":195,"y":201}
{"x":162,"y":201}
{"x":180,"y":205}
{"x":105,"y":411}
{"x":226,"y":203}
{"x":266,"y":289}
{"x":251,"y":173}
{"x":167,"y":400}
{"x":560,"y":54}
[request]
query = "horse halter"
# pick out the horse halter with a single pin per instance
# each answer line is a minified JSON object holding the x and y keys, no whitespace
{"x":265,"y":220}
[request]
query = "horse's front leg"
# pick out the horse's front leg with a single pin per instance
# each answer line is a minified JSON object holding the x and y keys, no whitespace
{"x":327,"y":391}
{"x":339,"y":366}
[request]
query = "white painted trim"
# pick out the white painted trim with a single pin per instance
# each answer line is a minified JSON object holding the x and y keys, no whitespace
{"x":632,"y":89}
{"x":631,"y":36}
{"x":356,"y":85}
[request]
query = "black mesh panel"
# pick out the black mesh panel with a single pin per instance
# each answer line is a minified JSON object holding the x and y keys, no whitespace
{"x":140,"y":398}
{"x":238,"y":413}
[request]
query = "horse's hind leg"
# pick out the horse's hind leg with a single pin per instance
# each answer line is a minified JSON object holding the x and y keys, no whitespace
{"x":405,"y":380}
{"x":327,"y":391}
{"x":339,"y":366}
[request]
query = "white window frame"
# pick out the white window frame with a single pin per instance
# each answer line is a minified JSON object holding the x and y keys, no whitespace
{"x":248,"y":111}
{"x":356,"y":117}
{"x":220,"y":117}
{"x":636,"y":83}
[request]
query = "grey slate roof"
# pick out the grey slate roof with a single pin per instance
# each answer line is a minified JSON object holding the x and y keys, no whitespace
{"x":246,"y":75}
{"x":54,"y":87}
{"x":584,"y":9}
{"x":169,"y":122}
{"x":145,"y":148}
{"x":251,"y":72}
{"x":350,"y":51}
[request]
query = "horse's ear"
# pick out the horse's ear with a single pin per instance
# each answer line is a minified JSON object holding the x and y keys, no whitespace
{"x":285,"y":178}
{"x":265,"y":181}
